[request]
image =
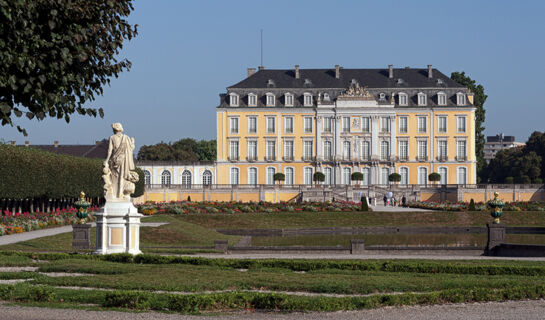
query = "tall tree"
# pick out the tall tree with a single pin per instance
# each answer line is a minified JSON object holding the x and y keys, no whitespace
{"x":536,"y":143}
{"x":56,"y":55}
{"x":186,"y":149}
{"x":479,"y":97}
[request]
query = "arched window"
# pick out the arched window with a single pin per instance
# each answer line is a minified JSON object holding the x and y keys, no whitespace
{"x":270,"y":175}
{"x":252,"y":176}
{"x":444,"y":175}
{"x":270,"y":99}
{"x":234,"y":177}
{"x":347,"y":175}
{"x":460,"y":99}
{"x":307,"y":176}
{"x":404,"y":172}
{"x":165,"y":178}
{"x":462,"y":175}
{"x":328,"y":176}
{"x":403,"y":99}
{"x":385,"y":174}
{"x":186,"y":178}
{"x":385,"y":150}
{"x":328,"y":155}
{"x":422,"y":175}
{"x":346,"y":150}
{"x":207,"y":178}
{"x":289,"y":176}
{"x":365,"y":172}
{"x":147,"y":177}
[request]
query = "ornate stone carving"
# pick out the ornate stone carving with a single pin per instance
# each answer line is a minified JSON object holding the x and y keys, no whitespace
{"x":356,"y":92}
{"x":119,"y":170}
{"x":355,"y":123}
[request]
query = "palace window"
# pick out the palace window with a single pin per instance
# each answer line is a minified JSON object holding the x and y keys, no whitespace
{"x":234,"y":125}
{"x":404,"y":172}
{"x":327,"y":124}
{"x":422,"y":175}
{"x":403,"y":124}
{"x":165,"y":178}
{"x":347,"y":175}
{"x":270,"y":100}
{"x":307,"y":100}
{"x":207,"y":178}
{"x":186,"y":179}
{"x":252,"y":100}
{"x":288,"y":124}
{"x":365,"y":124}
{"x":307,"y":175}
{"x":346,"y":150}
{"x":234,"y":176}
{"x":288,"y":149}
{"x":444,"y":175}
{"x":271,"y":150}
{"x":441,"y":99}
{"x":385,"y":175}
{"x":233,"y":150}
{"x":252,"y":150}
{"x":270,"y":175}
{"x":288,"y":176}
{"x":328,"y":155}
{"x":346,"y":124}
{"x":461,"y":124}
{"x":403,"y":99}
{"x":462,"y":175}
{"x":252,"y":176}
{"x":365,"y":172}
{"x":422,"y":150}
{"x":422,"y":99}
{"x":422,"y":124}
{"x":271,"y":125}
{"x":328,"y":176}
{"x":307,"y":150}
{"x":461,"y":150}
{"x":460,"y":99}
{"x":442,"y":150}
{"x":385,"y":124}
{"x":403,"y":150}
{"x":147,"y":177}
{"x":252,"y":124}
{"x":307,"y":124}
{"x":365,"y":152}
{"x":384,"y":150}
{"x":442,"y":124}
{"x":288,"y":100}
{"x":233,"y":100}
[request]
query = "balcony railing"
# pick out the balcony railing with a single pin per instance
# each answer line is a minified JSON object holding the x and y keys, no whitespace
{"x":385,"y":158}
{"x":328,"y":157}
{"x":442,"y":158}
{"x":461,"y":158}
{"x":233,"y":158}
{"x":404,"y":158}
{"x":270,"y":158}
{"x":308,"y":158}
{"x":288,"y":158}
{"x":251,"y":158}
{"x":422,"y":158}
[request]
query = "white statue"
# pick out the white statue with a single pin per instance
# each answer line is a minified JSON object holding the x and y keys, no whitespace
{"x":119,"y":175}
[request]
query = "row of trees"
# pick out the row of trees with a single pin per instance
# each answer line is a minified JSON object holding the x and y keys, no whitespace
{"x":519,"y":165}
{"x":356,"y":176}
{"x":186,"y":149}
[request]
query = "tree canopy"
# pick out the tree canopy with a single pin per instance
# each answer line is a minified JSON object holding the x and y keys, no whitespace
{"x":55,"y":56}
{"x":479,"y":97}
{"x":186,"y":149}
{"x":521,"y":164}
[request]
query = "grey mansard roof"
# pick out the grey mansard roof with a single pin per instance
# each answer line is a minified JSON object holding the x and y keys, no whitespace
{"x":325,"y":78}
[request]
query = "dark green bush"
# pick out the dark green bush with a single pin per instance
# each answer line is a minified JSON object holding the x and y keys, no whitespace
{"x":472,"y":205}
{"x":128,"y":299}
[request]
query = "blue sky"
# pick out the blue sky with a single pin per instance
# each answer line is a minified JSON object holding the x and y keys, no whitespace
{"x":188,"y":52}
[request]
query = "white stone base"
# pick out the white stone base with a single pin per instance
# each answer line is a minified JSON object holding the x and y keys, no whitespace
{"x":118,"y":228}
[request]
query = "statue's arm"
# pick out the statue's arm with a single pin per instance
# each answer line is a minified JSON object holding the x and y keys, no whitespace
{"x":110,"y":148}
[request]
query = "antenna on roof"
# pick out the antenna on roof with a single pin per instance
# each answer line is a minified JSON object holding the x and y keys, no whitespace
{"x":261,"y":47}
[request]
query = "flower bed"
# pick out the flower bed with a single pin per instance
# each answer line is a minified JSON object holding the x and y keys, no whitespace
{"x":21,"y":222}
{"x":185,"y":207}
{"x":479,"y":206}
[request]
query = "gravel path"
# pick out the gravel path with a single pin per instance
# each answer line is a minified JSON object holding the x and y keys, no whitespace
{"x":512,"y":310}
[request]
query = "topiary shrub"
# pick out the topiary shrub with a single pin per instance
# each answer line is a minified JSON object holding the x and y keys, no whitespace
{"x":394,"y":177}
{"x":318,"y":177}
{"x":472,"y":205}
{"x":356,"y":176}
{"x":279,"y":176}
{"x":434,"y":177}
{"x":364,"y":205}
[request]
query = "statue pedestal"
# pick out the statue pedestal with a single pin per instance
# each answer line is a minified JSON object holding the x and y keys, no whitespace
{"x":118,"y":228}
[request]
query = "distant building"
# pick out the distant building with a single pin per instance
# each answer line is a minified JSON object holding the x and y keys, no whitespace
{"x":99,"y":150}
{"x":498,"y":142}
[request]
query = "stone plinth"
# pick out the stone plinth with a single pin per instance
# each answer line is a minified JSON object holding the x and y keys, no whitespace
{"x":221,"y":245}
{"x":357,"y":246}
{"x":496,"y":236}
{"x":118,"y":228}
{"x":81,"y":239}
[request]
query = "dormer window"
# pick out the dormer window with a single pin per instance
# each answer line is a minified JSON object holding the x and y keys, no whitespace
{"x":382,"y":96}
{"x":400,"y":81}
{"x":307,"y":100}
{"x":270,"y":83}
{"x":422,"y":99}
{"x":460,"y":99}
{"x":308,"y":83}
{"x":233,"y":100}
{"x":252,"y":100}
{"x":326,"y":97}
{"x":270,"y":100}
{"x":288,"y":100}
{"x":441,"y":99}
{"x":403,"y":99}
{"x":353,"y":82}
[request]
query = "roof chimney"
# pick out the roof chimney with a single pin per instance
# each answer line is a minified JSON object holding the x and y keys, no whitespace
{"x":261,"y":68}
{"x":97,"y":143}
{"x":296,"y":71}
{"x":251,"y":71}
{"x":13,"y":143}
{"x":27,"y":143}
{"x":430,"y":72}
{"x":337,"y":71}
{"x":56,"y":144}
{"x":390,"y":71}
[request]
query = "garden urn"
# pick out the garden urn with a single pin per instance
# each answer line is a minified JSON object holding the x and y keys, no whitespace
{"x":82,"y":206}
{"x":496,"y":207}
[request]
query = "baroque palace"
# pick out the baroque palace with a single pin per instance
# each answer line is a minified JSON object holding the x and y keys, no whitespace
{"x":340,"y":121}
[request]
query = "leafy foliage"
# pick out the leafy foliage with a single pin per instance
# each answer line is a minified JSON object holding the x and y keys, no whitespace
{"x":55,"y":56}
{"x":434,"y":176}
{"x":479,"y":98}
{"x":356,"y":176}
{"x":394,"y":177}
{"x":279,"y":176}
{"x":186,"y":149}
{"x":318,"y":177}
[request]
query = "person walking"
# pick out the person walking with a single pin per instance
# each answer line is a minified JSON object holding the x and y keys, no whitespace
{"x":385,"y":200}
{"x":404,"y":201}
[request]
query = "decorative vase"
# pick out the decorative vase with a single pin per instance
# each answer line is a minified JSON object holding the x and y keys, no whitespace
{"x":496,"y":207}
{"x":82,"y":206}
